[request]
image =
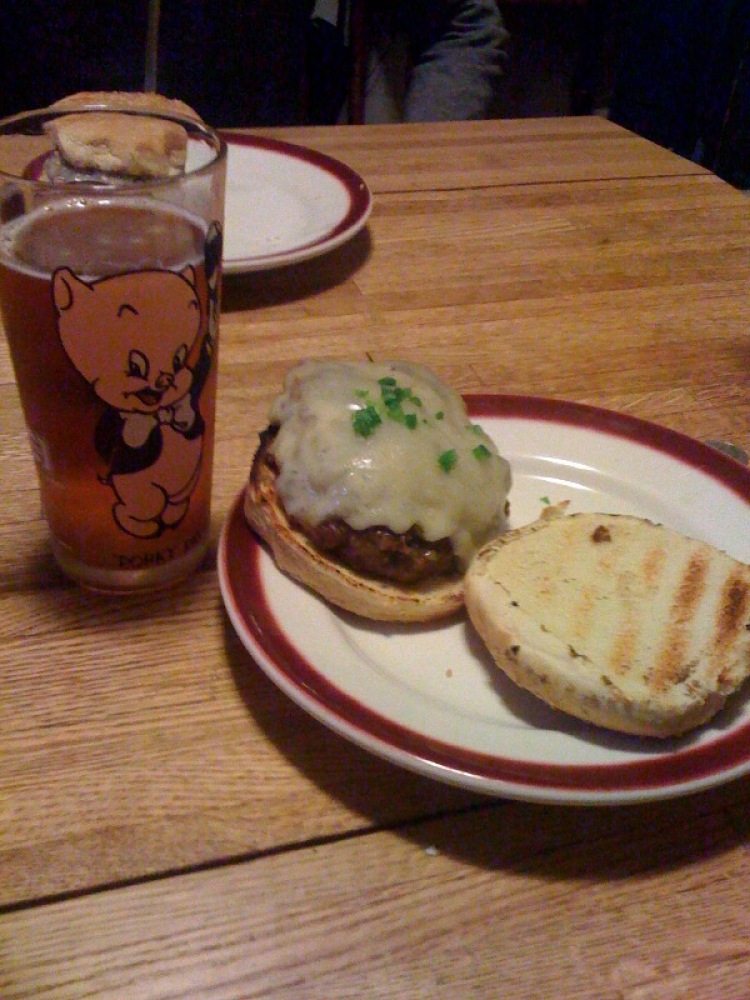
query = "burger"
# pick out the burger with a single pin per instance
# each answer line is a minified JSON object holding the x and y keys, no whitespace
{"x":373,"y":487}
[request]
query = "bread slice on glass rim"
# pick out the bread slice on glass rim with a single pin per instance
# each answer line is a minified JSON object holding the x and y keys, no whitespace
{"x":125,"y":100}
{"x":108,"y":132}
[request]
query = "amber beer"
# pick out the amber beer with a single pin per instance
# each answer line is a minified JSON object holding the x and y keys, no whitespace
{"x":110,"y":309}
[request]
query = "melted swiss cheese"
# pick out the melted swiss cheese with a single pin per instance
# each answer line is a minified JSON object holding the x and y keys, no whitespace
{"x":386,"y":444}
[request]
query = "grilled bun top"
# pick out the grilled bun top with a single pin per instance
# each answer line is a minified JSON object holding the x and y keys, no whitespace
{"x":614,"y":619}
{"x":386,"y":445}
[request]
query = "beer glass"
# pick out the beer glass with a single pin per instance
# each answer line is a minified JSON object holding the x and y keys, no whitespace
{"x":109,"y":295}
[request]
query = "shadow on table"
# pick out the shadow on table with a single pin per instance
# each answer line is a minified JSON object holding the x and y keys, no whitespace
{"x":550,"y":841}
{"x":255,"y":289}
{"x":384,"y":794}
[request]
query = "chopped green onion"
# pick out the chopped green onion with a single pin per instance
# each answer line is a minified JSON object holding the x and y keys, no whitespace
{"x":439,"y":415}
{"x":481,"y":452}
{"x":392,"y":398}
{"x":398,"y":416}
{"x":448,"y":459}
{"x":391,"y":404}
{"x":366,"y":420}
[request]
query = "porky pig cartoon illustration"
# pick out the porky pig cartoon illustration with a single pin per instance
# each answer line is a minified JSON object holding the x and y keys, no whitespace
{"x":134,"y":337}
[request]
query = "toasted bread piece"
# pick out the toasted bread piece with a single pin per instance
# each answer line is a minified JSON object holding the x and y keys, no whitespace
{"x":347,"y":589}
{"x":614,"y":619}
{"x":125,"y":100}
{"x":117,"y":143}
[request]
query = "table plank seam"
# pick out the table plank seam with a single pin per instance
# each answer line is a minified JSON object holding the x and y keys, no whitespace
{"x":693,"y":175}
{"x":232,"y":860}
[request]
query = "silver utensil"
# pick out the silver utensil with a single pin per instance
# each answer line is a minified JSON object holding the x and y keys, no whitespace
{"x":733,"y":450}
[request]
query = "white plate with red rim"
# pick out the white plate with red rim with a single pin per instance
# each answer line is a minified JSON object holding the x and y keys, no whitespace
{"x":430,"y":699}
{"x":286,"y":203}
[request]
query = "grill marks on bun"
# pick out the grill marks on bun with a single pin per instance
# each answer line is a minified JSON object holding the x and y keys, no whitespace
{"x":615,"y":620}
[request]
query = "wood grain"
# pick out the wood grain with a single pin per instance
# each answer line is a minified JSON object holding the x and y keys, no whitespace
{"x":460,"y":155}
{"x":139,"y":741}
{"x":502,"y":900}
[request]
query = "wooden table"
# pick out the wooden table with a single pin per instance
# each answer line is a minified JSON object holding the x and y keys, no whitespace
{"x":171,"y":826}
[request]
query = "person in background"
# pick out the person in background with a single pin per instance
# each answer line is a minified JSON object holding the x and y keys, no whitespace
{"x":247,"y":62}
{"x":457,"y":51}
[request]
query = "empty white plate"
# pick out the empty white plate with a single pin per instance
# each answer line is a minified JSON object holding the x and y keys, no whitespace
{"x":286,"y":203}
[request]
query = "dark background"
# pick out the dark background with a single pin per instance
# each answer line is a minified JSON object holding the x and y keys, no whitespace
{"x":675,"y":71}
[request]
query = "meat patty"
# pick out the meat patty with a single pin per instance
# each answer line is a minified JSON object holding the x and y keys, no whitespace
{"x":376,"y":551}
